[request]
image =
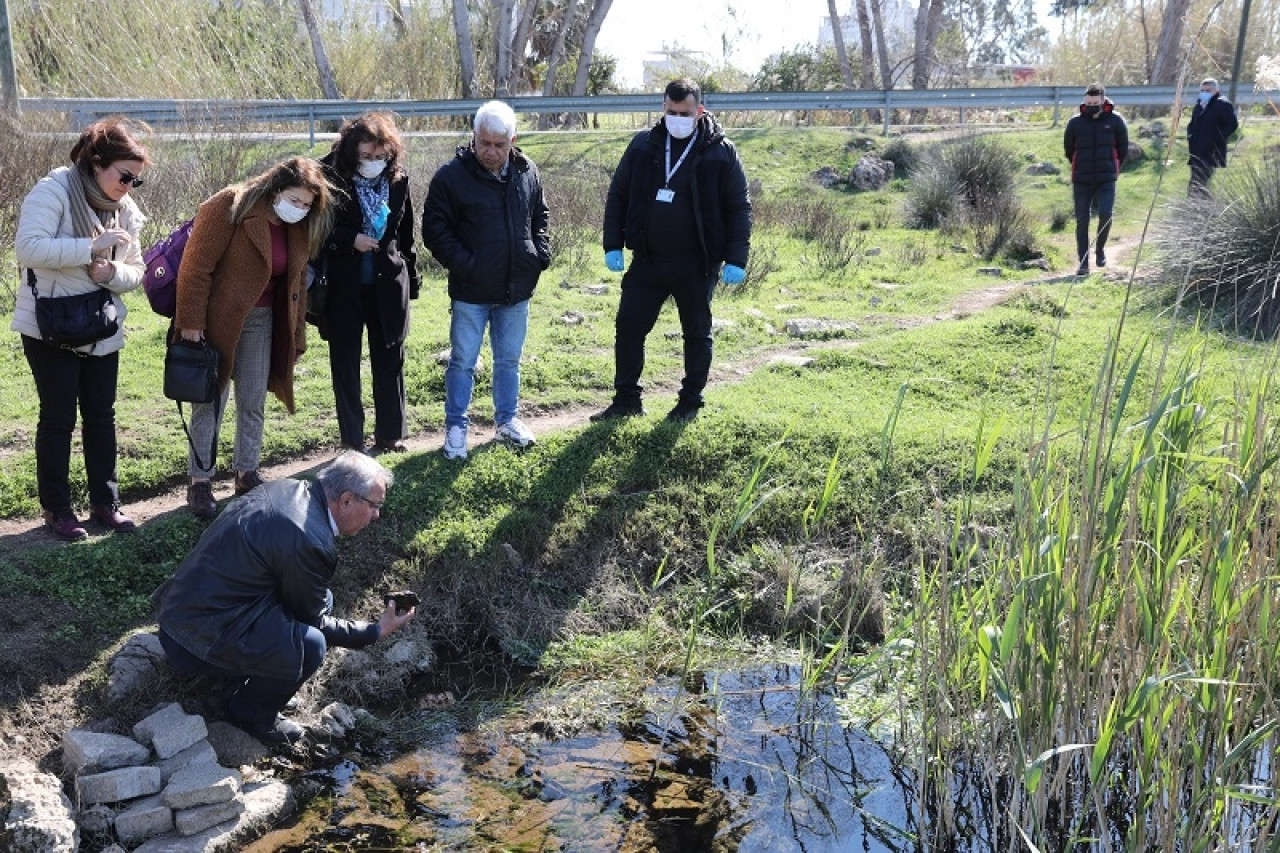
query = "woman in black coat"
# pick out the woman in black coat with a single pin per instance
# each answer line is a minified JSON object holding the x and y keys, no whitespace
{"x":371,"y":266}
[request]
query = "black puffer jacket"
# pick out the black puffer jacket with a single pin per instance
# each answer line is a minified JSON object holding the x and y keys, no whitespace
{"x":490,"y":234}
{"x":722,"y":207}
{"x":1210,"y":127}
{"x":395,"y":261}
{"x":243,"y":596}
{"x":1096,"y":147}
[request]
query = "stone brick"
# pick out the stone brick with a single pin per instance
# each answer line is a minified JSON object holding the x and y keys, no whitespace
{"x":124,"y":783}
{"x":85,"y":752}
{"x":144,"y":819}
{"x":201,"y":784}
{"x":200,"y":818}
{"x":171,"y":730}
{"x":200,"y":753}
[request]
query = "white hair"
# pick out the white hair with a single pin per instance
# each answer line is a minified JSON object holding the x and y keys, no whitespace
{"x":353,"y":472}
{"x":1210,"y":81}
{"x":495,"y":116}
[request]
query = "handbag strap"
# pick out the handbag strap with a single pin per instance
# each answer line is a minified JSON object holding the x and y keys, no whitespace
{"x":213,"y":444}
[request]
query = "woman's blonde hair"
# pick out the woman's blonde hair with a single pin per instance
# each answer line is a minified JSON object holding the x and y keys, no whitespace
{"x":294,"y":172}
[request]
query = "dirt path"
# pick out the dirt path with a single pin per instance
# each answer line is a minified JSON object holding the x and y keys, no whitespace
{"x":22,"y":533}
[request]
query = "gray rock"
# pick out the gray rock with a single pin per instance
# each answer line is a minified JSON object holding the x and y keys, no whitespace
{"x":995,"y":272}
{"x":596,"y":289}
{"x":871,"y":173}
{"x":1035,"y":264}
{"x":1135,"y":152}
{"x":792,"y":360}
{"x":826,"y":177}
{"x":85,"y":752}
{"x":820,"y":328}
{"x":755,"y":188}
{"x":198,"y":819}
{"x":200,"y":753}
{"x":114,"y":786}
{"x":171,"y":730}
{"x":572,"y":318}
{"x":265,"y":804}
{"x":134,"y":666}
{"x":1043,"y":169}
{"x":873,"y":252}
{"x":40,"y":818}
{"x":96,"y":821}
{"x":235,"y":747}
{"x":145,"y":818}
{"x":201,"y":785}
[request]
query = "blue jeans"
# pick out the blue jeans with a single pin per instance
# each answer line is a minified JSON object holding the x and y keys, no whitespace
{"x":507,"y":327}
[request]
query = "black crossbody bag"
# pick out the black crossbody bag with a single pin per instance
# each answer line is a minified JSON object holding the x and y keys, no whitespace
{"x":75,"y":321}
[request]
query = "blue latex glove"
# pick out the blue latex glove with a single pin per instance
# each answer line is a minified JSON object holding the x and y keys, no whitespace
{"x":733,"y":275}
{"x":613,"y":260}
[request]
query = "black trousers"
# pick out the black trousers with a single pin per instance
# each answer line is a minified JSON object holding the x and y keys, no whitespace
{"x":387,"y":366}
{"x":1088,"y":197}
{"x":66,"y":381}
{"x":646,"y":286}
{"x":1201,"y":172}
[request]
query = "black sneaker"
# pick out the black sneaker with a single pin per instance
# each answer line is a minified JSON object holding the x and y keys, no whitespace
{"x":619,"y":410}
{"x":683,"y":412}
{"x":1101,"y":259}
{"x":283,"y":732}
{"x":1083,"y":269}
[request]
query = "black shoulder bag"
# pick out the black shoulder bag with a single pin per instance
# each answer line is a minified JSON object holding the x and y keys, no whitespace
{"x":191,"y":376}
{"x":318,"y":295}
{"x":75,"y":321}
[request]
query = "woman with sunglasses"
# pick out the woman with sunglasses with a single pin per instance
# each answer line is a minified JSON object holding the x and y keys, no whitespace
{"x":242,"y":288}
{"x":372,"y":271}
{"x":77,"y":232}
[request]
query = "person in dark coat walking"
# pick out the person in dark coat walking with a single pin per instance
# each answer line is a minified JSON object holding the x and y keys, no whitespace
{"x":1213,"y":121}
{"x":679,"y":202}
{"x":1096,"y":142}
{"x":485,"y":220}
{"x":251,"y":601}
{"x":371,"y":265}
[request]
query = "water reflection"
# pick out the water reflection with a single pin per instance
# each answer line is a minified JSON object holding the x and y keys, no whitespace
{"x":739,"y":761}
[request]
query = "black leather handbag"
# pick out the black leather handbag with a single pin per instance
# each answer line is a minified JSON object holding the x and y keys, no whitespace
{"x":318,"y":296}
{"x":191,"y":376}
{"x":74,"y":321}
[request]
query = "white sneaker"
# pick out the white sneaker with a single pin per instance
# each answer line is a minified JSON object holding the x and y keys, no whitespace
{"x":455,"y":443}
{"x":515,"y":432}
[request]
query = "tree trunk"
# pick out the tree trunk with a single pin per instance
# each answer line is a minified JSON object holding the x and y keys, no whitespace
{"x":867,"y":71}
{"x":928,"y":25}
{"x":882,"y":48}
{"x":842,"y":55}
{"x":1164,"y":71}
{"x":502,"y":10}
{"x":553,"y":61}
{"x":588,"y":46}
{"x":520,"y":45}
{"x":466,"y":52}
{"x":328,"y":85}
{"x":397,"y":18}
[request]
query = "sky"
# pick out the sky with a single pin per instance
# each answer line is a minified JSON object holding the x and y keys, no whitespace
{"x":754,"y":30}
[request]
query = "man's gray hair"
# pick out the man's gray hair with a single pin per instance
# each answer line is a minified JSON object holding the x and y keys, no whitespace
{"x":496,"y":117}
{"x":353,"y":472}
{"x":1210,"y":81}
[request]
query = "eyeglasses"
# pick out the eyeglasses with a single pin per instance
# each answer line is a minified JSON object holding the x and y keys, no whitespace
{"x":372,"y":504}
{"x":127,"y":177}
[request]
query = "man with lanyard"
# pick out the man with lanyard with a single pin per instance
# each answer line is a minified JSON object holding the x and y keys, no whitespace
{"x":679,"y":202}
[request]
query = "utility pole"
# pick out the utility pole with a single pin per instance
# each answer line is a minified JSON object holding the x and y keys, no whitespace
{"x":1235,"y":65}
{"x":8,"y":71}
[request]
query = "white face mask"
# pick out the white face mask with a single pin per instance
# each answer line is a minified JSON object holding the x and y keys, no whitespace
{"x":287,"y":211}
{"x":680,"y":127}
{"x":371,"y":169}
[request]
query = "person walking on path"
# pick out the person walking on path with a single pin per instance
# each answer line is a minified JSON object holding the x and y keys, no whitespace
{"x":485,"y":220}
{"x":1213,"y":121}
{"x":679,"y":202}
{"x":1096,"y":142}
{"x":371,"y":266}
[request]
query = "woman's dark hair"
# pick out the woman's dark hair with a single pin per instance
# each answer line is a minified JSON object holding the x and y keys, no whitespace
{"x":377,"y":127}
{"x":106,"y":141}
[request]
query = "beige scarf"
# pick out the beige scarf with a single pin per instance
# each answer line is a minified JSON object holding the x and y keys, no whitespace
{"x":91,"y":211}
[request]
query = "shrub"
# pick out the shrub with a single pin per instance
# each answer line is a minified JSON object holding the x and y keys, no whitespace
{"x":979,"y":166}
{"x":1222,"y":252}
{"x":904,"y":156}
{"x":1059,"y":218}
{"x":932,"y":197}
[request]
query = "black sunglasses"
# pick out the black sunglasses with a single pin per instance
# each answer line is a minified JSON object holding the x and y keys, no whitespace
{"x":127,"y":177}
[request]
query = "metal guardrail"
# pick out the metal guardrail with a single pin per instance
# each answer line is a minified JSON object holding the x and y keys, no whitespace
{"x":179,"y":112}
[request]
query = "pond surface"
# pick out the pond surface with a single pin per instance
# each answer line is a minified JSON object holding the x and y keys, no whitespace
{"x":744,"y":760}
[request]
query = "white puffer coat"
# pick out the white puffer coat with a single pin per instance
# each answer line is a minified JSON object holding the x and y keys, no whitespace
{"x":47,"y":243}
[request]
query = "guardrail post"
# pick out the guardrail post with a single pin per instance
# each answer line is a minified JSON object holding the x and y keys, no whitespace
{"x":888,"y":109}
{"x":311,"y":125}
{"x":1057,"y":105}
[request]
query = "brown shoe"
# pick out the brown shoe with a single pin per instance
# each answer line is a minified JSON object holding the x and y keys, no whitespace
{"x":110,"y":516}
{"x":247,"y":481}
{"x":65,"y":525}
{"x":200,"y":499}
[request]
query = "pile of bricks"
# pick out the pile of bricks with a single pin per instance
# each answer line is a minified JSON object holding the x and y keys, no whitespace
{"x":164,"y":782}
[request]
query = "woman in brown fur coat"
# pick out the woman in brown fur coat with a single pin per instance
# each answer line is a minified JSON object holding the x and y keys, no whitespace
{"x":242,"y":287}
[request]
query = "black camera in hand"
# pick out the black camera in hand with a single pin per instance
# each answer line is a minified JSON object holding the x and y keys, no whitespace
{"x":404,"y":600}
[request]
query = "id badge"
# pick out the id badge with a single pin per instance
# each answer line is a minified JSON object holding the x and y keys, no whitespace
{"x":667,"y":195}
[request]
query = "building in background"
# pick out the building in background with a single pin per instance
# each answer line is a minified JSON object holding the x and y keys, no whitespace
{"x":662,"y":66}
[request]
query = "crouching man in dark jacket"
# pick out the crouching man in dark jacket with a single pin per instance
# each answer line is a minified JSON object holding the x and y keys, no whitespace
{"x":251,"y":601}
{"x":485,"y":221}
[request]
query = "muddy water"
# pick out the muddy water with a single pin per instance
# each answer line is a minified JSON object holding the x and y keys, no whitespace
{"x":743,"y":761}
